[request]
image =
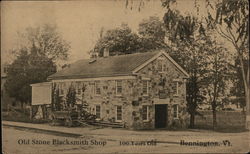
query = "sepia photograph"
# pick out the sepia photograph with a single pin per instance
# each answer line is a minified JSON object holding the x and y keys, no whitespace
{"x":125,"y":76}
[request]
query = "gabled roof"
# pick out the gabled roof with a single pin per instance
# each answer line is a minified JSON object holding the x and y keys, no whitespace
{"x":108,"y":66}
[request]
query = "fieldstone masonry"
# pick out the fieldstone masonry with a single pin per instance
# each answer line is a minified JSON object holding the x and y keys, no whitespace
{"x":161,"y":75}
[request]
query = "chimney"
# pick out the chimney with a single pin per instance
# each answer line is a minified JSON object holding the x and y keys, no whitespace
{"x":106,"y":52}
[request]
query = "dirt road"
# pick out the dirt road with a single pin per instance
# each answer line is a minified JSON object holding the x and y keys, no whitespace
{"x":16,"y":140}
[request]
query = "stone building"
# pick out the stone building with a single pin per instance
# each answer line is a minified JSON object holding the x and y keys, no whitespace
{"x":141,"y":90}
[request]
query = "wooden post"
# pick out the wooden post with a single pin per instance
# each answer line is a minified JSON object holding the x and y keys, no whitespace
{"x":30,"y":112}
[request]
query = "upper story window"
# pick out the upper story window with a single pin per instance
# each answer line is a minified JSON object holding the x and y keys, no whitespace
{"x":145,"y":87}
{"x":161,"y":64}
{"x":98,"y":111}
{"x":145,"y":113}
{"x":118,"y":87}
{"x":118,"y":113}
{"x":177,"y":88}
{"x":97,"y":88}
{"x":176,"y":112}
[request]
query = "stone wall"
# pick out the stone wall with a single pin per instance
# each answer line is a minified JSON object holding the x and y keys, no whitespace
{"x":165,"y":81}
{"x":108,"y":100}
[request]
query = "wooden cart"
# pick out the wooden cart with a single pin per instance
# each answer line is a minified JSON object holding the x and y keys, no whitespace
{"x":68,"y":118}
{"x":76,"y":118}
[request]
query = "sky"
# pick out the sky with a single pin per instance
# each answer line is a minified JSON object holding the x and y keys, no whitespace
{"x":79,"y":22}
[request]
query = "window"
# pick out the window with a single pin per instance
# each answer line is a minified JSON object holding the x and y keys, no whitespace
{"x":118,"y":87}
{"x":97,"y":88}
{"x":118,"y":113}
{"x":161,"y":64}
{"x":175,"y":106}
{"x":145,"y":87}
{"x":145,"y":113}
{"x":177,"y":88}
{"x":98,"y":111}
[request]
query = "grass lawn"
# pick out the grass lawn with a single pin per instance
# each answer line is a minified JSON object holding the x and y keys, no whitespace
{"x":19,"y":115}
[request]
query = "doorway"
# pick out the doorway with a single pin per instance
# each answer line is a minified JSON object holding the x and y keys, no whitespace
{"x":161,"y":115}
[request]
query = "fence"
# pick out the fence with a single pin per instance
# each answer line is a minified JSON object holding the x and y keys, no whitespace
{"x":225,"y":119}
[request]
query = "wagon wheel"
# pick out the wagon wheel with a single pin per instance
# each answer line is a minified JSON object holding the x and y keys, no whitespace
{"x":68,"y":122}
{"x":52,"y":122}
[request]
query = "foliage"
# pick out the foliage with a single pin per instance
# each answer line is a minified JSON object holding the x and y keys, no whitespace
{"x":238,"y":85}
{"x":20,"y":116}
{"x":71,"y":96}
{"x":56,"y":99}
{"x":233,"y":14}
{"x":152,"y":34}
{"x":179,"y":26}
{"x":47,"y":41}
{"x":122,"y":40}
{"x":217,"y":74}
{"x":186,"y":38}
{"x":232,"y":23}
{"x":28,"y":68}
{"x":191,"y":56}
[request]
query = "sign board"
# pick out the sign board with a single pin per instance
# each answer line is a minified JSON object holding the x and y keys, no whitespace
{"x":161,"y":101}
{"x":41,"y":93}
{"x":162,"y":94}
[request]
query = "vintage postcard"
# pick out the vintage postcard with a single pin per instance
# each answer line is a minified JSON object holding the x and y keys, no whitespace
{"x":125,"y":76}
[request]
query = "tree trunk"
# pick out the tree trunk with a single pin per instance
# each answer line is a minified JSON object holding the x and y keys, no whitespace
{"x":246,"y":88}
{"x":22,"y":105}
{"x":247,"y":124}
{"x":214,"y":119}
{"x":192,"y":118}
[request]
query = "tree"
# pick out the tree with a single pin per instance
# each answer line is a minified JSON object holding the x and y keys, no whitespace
{"x":56,"y":99}
{"x":183,"y":35}
{"x":28,"y":68}
{"x":47,"y":41}
{"x":216,"y":76}
{"x":238,"y":85}
{"x":41,"y":48}
{"x":122,"y":40}
{"x":231,"y":22}
{"x":193,"y":59}
{"x":186,"y":39}
{"x":152,"y":34}
{"x":71,"y":96}
{"x":118,"y":41}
